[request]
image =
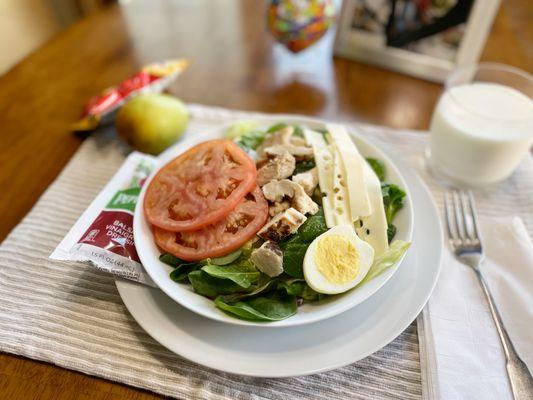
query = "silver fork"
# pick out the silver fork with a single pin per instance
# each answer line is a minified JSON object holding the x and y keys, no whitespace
{"x":465,"y":242}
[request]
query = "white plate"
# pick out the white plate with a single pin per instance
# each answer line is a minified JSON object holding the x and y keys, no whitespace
{"x":184,"y":295}
{"x":308,"y":349}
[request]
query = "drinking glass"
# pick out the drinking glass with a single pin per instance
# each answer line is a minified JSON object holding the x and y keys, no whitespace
{"x":482,"y":126}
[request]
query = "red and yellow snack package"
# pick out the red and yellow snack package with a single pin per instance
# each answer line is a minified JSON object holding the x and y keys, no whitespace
{"x":153,"y":78}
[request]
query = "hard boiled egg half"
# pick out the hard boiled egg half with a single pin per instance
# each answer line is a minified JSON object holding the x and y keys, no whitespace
{"x":337,"y":260}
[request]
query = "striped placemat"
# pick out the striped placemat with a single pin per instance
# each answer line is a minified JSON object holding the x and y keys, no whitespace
{"x":72,"y":316}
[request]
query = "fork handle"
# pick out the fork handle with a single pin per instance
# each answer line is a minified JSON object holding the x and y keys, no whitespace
{"x":519,"y":376}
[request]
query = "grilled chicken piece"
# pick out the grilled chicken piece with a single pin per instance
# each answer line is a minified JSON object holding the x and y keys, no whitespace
{"x":298,"y":141}
{"x":277,"y":191}
{"x":268,"y":259}
{"x":281,"y":136}
{"x":279,"y":167}
{"x":298,"y":152}
{"x":278,"y":207}
{"x":282,"y":225}
{"x":308,"y":180}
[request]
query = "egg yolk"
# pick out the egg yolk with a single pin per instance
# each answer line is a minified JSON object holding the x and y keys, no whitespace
{"x":337,"y":259}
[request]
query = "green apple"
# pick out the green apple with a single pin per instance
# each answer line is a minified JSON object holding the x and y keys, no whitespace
{"x":152,"y":122}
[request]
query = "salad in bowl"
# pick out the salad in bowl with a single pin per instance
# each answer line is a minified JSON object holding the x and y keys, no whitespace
{"x":266,"y":222}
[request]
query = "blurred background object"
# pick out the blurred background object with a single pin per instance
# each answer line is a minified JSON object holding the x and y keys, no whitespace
{"x":298,"y":24}
{"x":27,"y":24}
{"x":423,"y":38}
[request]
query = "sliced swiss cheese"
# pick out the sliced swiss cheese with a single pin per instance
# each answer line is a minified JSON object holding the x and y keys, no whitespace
{"x":373,"y":228}
{"x":324,"y":164}
{"x":340,"y":196}
{"x":354,"y":177}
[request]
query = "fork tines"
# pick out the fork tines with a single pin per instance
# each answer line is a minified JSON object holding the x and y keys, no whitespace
{"x":461,"y":218}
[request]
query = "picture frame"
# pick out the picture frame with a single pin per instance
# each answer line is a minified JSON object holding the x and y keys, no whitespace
{"x":428,"y":43}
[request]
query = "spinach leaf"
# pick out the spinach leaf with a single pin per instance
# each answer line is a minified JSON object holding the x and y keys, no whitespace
{"x":294,"y":248}
{"x":272,"y":307}
{"x":391,"y":232}
{"x":392,"y":199}
{"x":378,"y":166}
{"x":180,"y":273}
{"x":303,"y":166}
{"x":299,"y":288}
{"x":171,"y":260}
{"x":209,"y":286}
{"x":293,"y":257}
{"x":243,"y":274}
{"x":314,"y":226}
{"x":181,"y":267}
{"x":265,"y":285}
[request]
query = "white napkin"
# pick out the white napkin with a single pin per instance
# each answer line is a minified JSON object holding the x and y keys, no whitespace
{"x":461,"y":354}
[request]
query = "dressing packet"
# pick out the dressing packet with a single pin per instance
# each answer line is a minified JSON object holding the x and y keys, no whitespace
{"x":103,"y":236}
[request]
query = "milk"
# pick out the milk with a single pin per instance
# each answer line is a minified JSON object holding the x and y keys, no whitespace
{"x":480,"y":132}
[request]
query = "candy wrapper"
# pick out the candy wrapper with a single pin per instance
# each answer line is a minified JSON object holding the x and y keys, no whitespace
{"x":153,"y":78}
{"x":297,"y":24}
{"x":103,"y":236}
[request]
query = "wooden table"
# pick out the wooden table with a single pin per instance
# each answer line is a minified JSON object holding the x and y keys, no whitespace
{"x":236,"y":64}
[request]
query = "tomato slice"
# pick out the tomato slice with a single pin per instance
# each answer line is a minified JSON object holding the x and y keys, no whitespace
{"x":220,"y":238}
{"x":199,"y":187}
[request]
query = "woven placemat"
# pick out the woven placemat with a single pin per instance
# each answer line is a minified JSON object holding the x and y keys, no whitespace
{"x":72,"y":316}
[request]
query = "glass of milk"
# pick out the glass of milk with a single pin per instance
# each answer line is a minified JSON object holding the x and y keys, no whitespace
{"x":482,"y":126}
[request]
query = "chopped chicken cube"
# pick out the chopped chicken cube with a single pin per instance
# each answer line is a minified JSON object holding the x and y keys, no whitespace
{"x":281,"y":136}
{"x":268,"y":259}
{"x":299,"y":152}
{"x":279,"y":167}
{"x":278,"y":207}
{"x":282,"y":225}
{"x":298,"y":141}
{"x":279,"y":190}
{"x":302,"y":202}
{"x":308,"y":180}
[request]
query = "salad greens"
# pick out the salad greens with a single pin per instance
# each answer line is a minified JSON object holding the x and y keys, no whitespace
{"x":393,"y":200}
{"x":251,"y":140}
{"x":240,"y":289}
{"x":303,"y":166}
{"x":248,"y":137}
{"x":295,"y":246}
{"x":209,"y":286}
{"x":387,"y":260}
{"x":243,"y":274}
{"x":275,"y":306}
{"x":378,"y":166}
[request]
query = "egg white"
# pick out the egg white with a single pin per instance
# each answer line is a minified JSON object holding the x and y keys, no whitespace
{"x":317,"y":281}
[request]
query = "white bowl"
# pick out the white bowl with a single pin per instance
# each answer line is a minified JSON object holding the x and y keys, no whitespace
{"x":184,"y":294}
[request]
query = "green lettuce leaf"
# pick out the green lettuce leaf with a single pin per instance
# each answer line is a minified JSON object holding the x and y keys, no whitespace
{"x":240,"y":128}
{"x":387,"y":260}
